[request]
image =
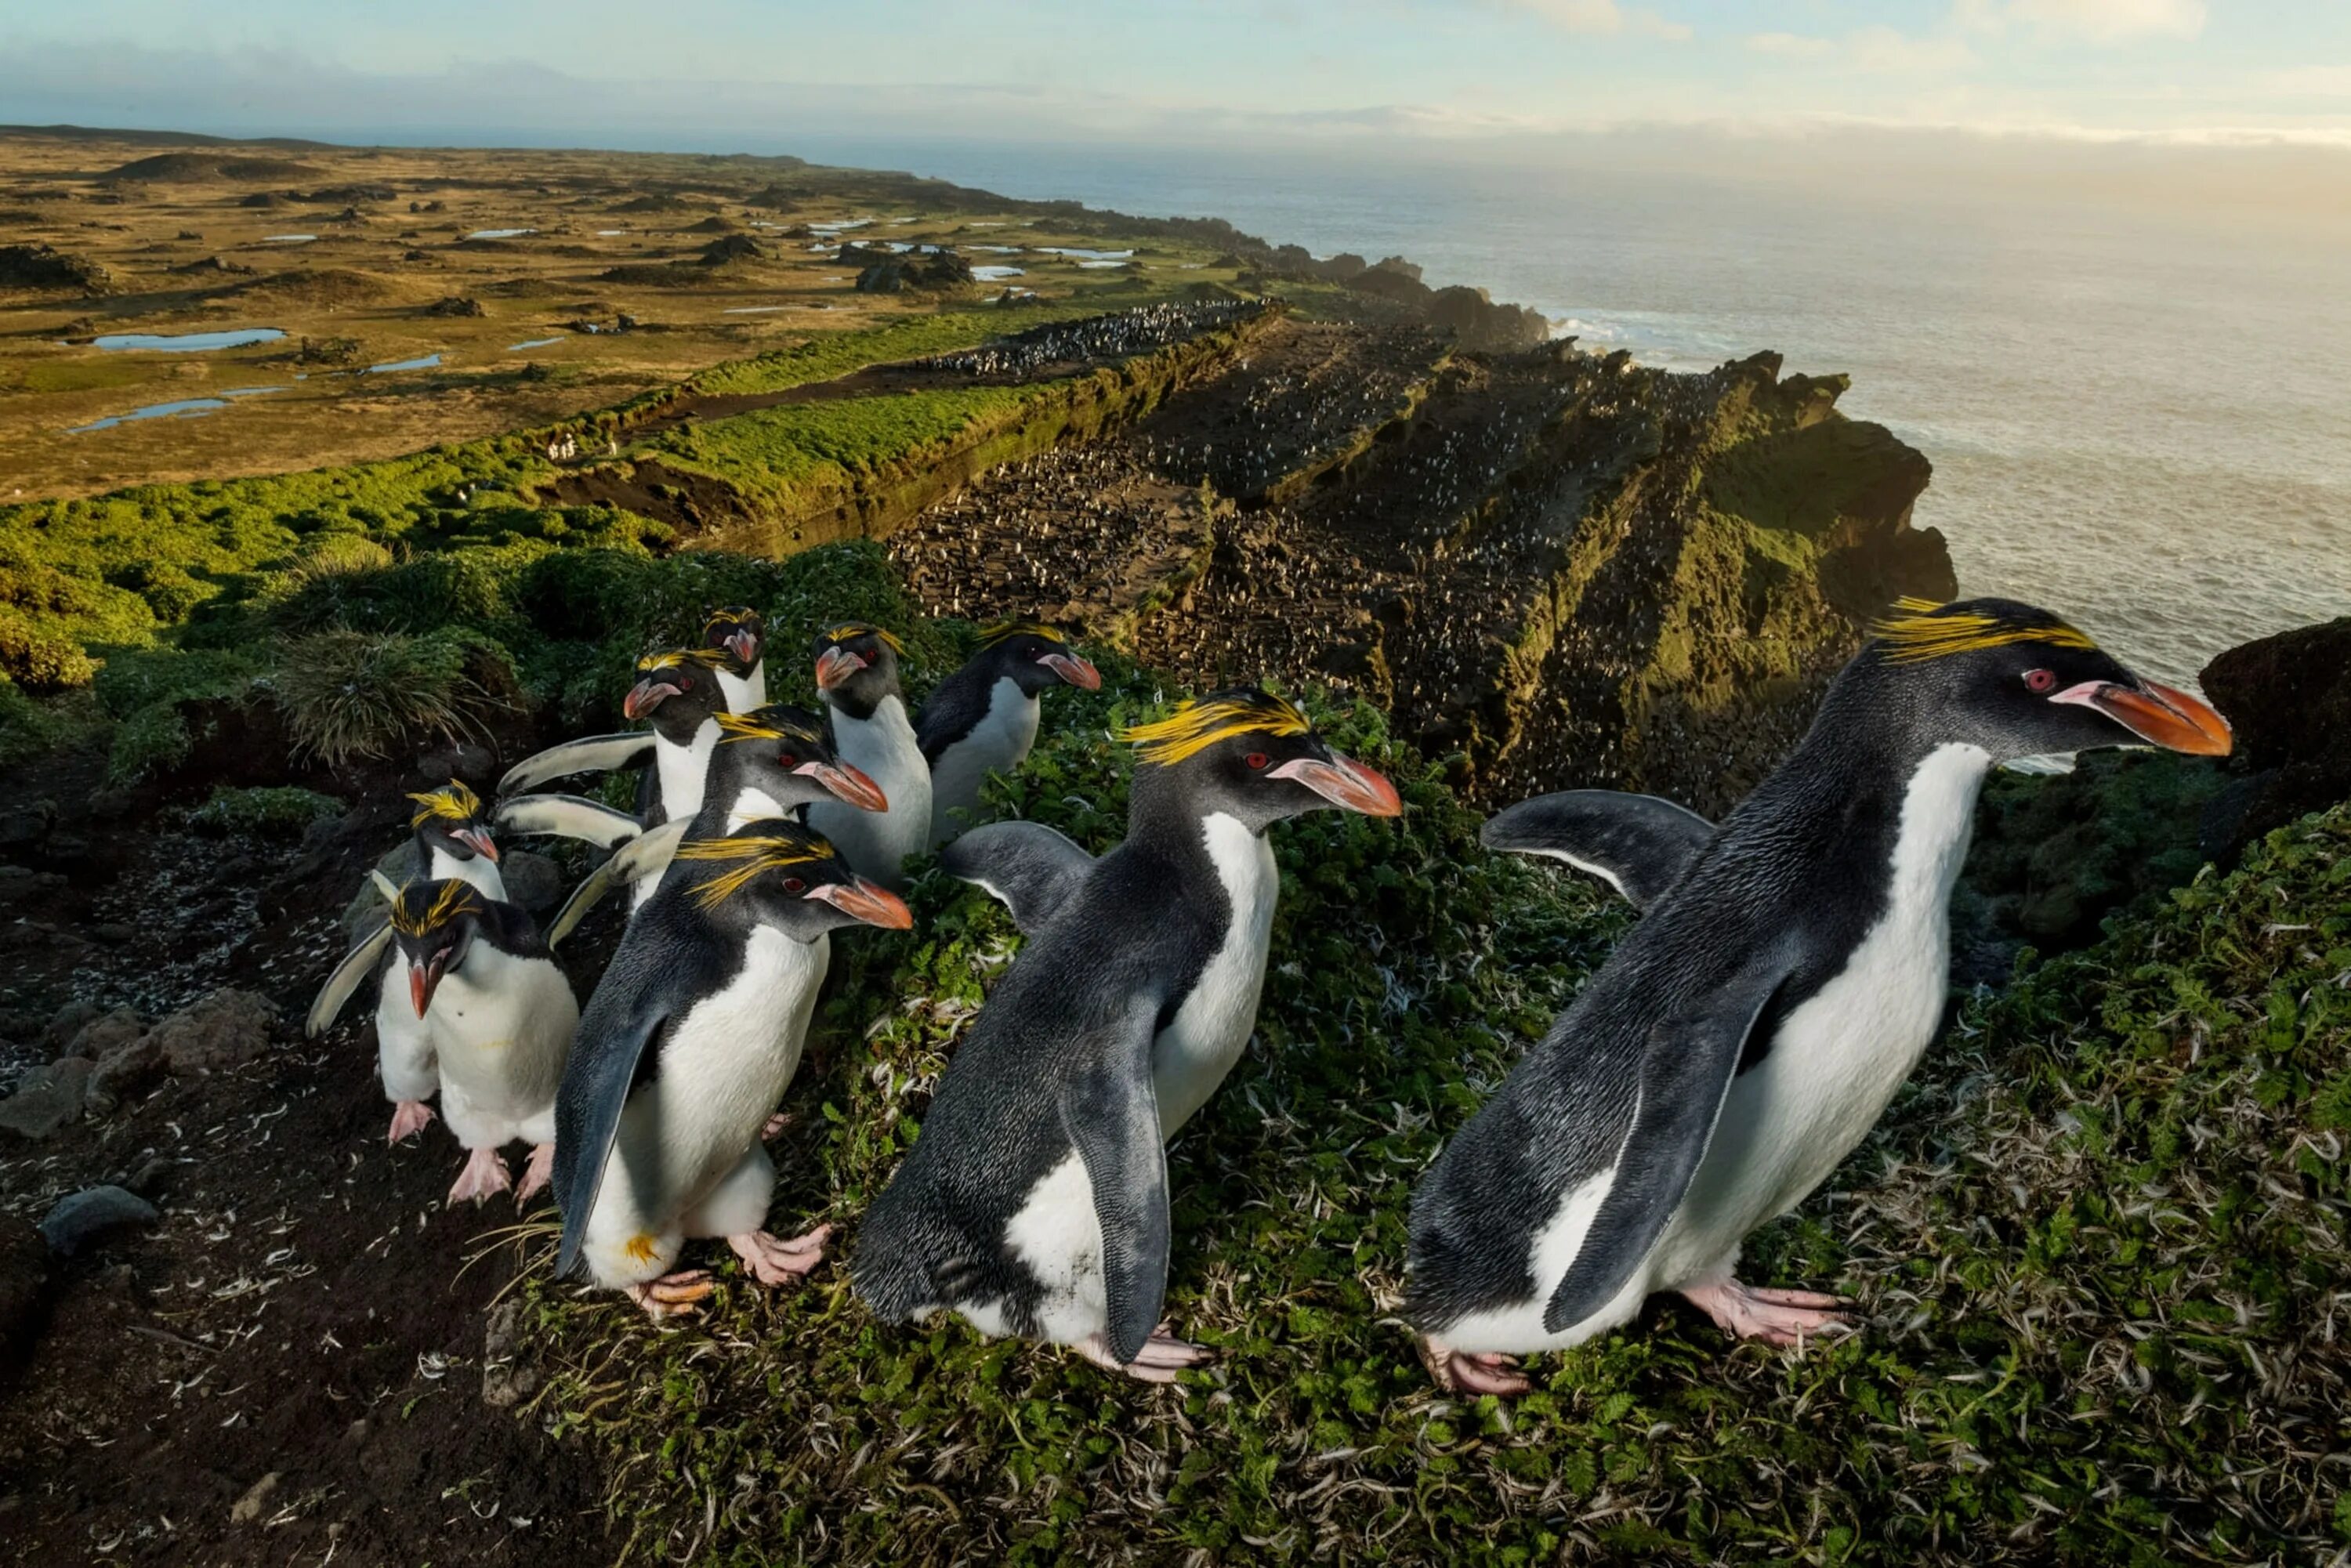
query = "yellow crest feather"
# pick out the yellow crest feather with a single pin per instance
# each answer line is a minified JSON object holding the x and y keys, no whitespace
{"x":680,"y":658}
{"x":453,"y":802}
{"x":770,"y":723}
{"x":1918,"y":630}
{"x":848,"y":629}
{"x":450,"y":899}
{"x":750,"y":856}
{"x":1005,"y":631}
{"x":1203,"y":721}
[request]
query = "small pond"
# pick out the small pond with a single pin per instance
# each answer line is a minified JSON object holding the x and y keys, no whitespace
{"x":188,"y":342}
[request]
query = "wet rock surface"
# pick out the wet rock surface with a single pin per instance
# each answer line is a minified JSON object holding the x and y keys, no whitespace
{"x":85,"y":1217}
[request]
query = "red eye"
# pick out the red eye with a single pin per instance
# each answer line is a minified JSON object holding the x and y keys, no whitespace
{"x":2039,"y":680}
{"x":794,"y":884}
{"x":788,"y":760}
{"x":1255,"y":759}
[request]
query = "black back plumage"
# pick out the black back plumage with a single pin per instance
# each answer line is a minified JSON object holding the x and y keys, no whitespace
{"x":1794,"y":880}
{"x":1058,"y":1054}
{"x":958,"y":704}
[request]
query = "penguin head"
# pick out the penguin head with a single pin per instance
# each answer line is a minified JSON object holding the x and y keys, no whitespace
{"x":856,"y":666}
{"x":2019,"y":681}
{"x":1035,"y":657}
{"x":779,"y":756}
{"x":677,"y":690}
{"x":450,"y":819}
{"x":738,"y":632}
{"x":434,"y":924}
{"x":1253,"y":757}
{"x":782,"y":873}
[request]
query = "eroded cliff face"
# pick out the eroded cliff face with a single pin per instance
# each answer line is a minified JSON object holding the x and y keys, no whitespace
{"x":1552,"y":568}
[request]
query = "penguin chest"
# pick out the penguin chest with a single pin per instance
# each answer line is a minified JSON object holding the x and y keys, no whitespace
{"x":682,"y":770}
{"x":500,"y":1027}
{"x":997,"y":743}
{"x":724,"y":1067}
{"x":1195,"y":1049}
{"x":883,"y":747}
{"x":745,"y":693}
{"x":1839,"y":1056}
{"x":474,"y":870}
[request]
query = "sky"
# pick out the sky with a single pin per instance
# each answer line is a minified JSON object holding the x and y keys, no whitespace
{"x":1397,"y":76}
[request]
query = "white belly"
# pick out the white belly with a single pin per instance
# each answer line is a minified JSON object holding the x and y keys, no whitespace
{"x":998,"y":743}
{"x":1207,"y":1036}
{"x":481,"y":874}
{"x":684,"y":770}
{"x":724,"y":1069}
{"x":745,"y":693}
{"x":876,"y":843}
{"x":1835,"y":1064}
{"x":501,"y":1027}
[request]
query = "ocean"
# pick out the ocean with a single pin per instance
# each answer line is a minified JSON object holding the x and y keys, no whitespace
{"x":2140,"y":420}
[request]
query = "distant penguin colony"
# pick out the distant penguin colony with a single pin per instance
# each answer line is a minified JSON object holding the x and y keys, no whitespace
{"x":1787,"y":972}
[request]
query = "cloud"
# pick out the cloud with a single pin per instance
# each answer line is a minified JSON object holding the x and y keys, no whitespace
{"x":1598,"y":16}
{"x":2314,"y":81}
{"x":2096,"y":21}
{"x":1878,"y":51}
{"x":1793,"y":45}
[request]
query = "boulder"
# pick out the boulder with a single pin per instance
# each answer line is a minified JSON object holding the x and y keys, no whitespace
{"x":731,"y":247}
{"x":107,"y":1033}
{"x":2288,"y":698}
{"x":533,"y":881}
{"x":226,"y":1029}
{"x":46,"y":1098}
{"x":83,"y":1217}
{"x":122,"y":1072}
{"x":45,"y":266}
{"x":455,"y":305}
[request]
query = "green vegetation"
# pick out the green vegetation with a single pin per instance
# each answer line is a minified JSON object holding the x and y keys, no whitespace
{"x":350,"y":694}
{"x":281,"y":811}
{"x":832,"y":354}
{"x":2096,"y":1245}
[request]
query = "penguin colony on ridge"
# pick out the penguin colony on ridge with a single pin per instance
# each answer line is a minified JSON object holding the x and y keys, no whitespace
{"x":1788,"y":972}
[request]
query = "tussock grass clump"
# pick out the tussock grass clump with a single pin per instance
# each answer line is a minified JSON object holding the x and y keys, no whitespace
{"x":350,"y":694}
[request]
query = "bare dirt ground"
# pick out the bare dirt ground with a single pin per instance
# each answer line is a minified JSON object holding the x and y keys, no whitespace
{"x":289,"y":1366}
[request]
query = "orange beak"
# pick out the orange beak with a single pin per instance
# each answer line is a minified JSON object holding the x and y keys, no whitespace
{"x":1345,"y":783}
{"x":1079,"y":672}
{"x":850,"y":784}
{"x":743,"y":643}
{"x":478,"y":840}
{"x":423,"y":979}
{"x":644,"y":696}
{"x":866,"y":901}
{"x":835,"y":665}
{"x":2157,"y":714}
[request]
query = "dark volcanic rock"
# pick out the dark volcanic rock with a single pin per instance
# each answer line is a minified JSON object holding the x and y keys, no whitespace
{"x":224,"y":1029}
{"x":45,"y":266}
{"x":455,"y":304}
{"x":83,"y":1217}
{"x":895,"y":274}
{"x":2288,"y":698}
{"x":732,"y":247}
{"x":46,"y":1099}
{"x":23,"y":1287}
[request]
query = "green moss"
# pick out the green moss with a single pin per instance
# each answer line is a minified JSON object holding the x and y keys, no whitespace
{"x":282,"y":811}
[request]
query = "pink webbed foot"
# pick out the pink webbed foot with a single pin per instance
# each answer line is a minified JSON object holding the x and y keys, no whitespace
{"x":1783,"y":1318}
{"x":485,"y":1174}
{"x":1163,"y":1356}
{"x":408,"y":1117}
{"x":538,"y":1174}
{"x":773,"y":1260}
{"x":1464,"y":1372}
{"x":677,"y":1295}
{"x":775,"y":1126}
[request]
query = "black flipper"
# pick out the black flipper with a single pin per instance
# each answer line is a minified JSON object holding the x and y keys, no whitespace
{"x":1638,"y":844}
{"x":1111,"y":1113}
{"x":602,"y":1069}
{"x":1685,"y":1075}
{"x":356,"y":965}
{"x":1027,"y":866}
{"x":590,"y":754}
